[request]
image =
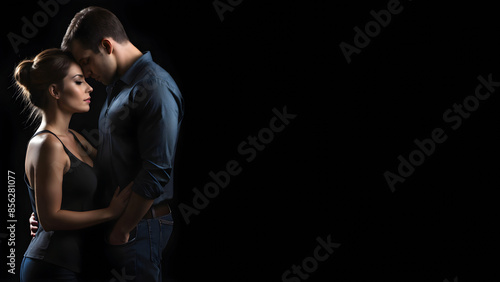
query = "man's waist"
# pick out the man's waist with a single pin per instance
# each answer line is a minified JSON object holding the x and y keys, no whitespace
{"x":157,"y":210}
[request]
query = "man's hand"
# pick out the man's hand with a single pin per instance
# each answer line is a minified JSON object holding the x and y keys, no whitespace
{"x":135,"y":211}
{"x":118,"y":238}
{"x":33,"y":225}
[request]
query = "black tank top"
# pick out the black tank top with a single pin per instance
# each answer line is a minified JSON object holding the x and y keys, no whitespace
{"x":65,"y":247}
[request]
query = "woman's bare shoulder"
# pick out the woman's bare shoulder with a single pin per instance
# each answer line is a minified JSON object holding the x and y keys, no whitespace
{"x":46,"y":145}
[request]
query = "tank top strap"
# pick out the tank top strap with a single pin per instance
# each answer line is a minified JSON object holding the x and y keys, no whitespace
{"x":77,"y":140}
{"x":48,"y":131}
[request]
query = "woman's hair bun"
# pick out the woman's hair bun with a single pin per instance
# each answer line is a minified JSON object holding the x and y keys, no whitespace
{"x":22,"y":74}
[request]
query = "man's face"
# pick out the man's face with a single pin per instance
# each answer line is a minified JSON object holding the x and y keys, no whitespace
{"x":100,"y":66}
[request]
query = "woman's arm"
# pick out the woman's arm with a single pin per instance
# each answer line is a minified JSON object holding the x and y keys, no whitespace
{"x":49,"y":169}
{"x":89,"y":149}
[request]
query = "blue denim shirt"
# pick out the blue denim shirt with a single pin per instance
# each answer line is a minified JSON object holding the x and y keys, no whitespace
{"x":138,"y":129}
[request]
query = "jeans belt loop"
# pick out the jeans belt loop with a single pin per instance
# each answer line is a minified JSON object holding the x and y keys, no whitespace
{"x":153,"y":212}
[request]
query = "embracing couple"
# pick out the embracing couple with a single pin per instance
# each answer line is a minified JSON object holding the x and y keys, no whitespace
{"x":102,"y":208}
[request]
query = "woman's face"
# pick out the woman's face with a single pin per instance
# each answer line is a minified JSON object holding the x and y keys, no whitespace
{"x":75,"y":96}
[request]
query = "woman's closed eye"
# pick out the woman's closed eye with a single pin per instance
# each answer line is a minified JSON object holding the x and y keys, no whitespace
{"x":78,"y":78}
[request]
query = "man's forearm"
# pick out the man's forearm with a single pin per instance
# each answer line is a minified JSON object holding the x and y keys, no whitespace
{"x":136,"y":209}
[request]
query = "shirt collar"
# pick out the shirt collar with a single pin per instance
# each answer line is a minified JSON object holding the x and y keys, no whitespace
{"x":132,"y":72}
{"x":138,"y":65}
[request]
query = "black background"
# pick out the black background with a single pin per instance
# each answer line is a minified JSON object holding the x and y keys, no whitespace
{"x":324,"y":174}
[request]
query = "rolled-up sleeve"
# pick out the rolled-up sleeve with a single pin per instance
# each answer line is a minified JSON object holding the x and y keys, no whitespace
{"x":156,"y":111}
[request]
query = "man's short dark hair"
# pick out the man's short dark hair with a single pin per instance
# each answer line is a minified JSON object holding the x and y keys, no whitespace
{"x":90,"y":26}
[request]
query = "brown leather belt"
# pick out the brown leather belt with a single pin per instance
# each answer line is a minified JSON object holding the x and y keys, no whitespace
{"x":157,"y":211}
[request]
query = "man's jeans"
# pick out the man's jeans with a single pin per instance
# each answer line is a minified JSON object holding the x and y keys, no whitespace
{"x":140,"y":258}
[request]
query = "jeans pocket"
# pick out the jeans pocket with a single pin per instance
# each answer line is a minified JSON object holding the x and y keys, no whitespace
{"x":122,"y":258}
{"x":159,"y":233}
{"x":166,"y":227}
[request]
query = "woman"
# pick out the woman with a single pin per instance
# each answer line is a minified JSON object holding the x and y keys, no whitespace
{"x":59,"y":168}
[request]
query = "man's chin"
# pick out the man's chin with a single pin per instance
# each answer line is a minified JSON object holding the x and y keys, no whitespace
{"x":105,"y":83}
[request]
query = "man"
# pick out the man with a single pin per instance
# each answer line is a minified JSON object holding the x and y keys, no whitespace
{"x":138,"y":128}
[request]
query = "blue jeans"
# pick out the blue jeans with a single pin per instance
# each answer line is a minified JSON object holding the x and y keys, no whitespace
{"x":38,"y":270}
{"x":140,"y":258}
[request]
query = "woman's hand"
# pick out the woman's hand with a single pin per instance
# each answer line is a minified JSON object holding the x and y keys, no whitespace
{"x":119,"y":201}
{"x":33,"y":224}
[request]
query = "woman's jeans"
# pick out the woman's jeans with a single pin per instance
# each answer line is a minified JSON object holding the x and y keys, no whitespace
{"x":38,"y":270}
